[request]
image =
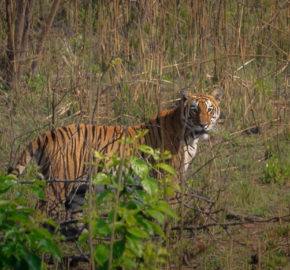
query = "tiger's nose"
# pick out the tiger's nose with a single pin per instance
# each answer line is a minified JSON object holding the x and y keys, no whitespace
{"x":203,"y":125}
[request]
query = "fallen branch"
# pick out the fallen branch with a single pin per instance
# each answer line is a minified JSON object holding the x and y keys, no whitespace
{"x":193,"y":194}
{"x":226,"y":225}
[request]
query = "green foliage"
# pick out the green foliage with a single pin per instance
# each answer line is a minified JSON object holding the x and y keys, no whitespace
{"x":140,"y":213}
{"x":274,"y":171}
{"x":36,"y":83}
{"x":276,"y":168}
{"x":22,"y":239}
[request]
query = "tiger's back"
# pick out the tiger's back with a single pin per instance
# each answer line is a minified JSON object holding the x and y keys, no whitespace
{"x":62,"y":153}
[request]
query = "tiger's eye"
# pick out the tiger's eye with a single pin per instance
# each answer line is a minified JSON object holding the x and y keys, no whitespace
{"x":209,"y":109}
{"x":194,"y":110}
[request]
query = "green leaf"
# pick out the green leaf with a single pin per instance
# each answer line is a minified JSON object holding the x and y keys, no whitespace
{"x":41,"y":233}
{"x":102,"y":228}
{"x":141,"y":133}
{"x":101,"y":196}
{"x":101,"y":253}
{"x":49,"y":246}
{"x":40,"y":183}
{"x":4,"y":202}
{"x":49,"y":221}
{"x":98,"y":155}
{"x":5,"y":188}
{"x":101,"y":179}
{"x":165,"y":155}
{"x":139,"y":166}
{"x":165,"y":208}
{"x":126,"y":140}
{"x":145,"y":224}
{"x":133,"y":205}
{"x":19,"y":217}
{"x":141,"y":195}
{"x":129,"y":179}
{"x":156,"y":214}
{"x":165,"y":167}
{"x":150,"y":151}
{"x":8,"y":177}
{"x":138,"y":232}
{"x":128,"y":215}
{"x":118,"y":249}
{"x":135,"y":244}
{"x":32,"y":260}
{"x":83,"y":237}
{"x":119,"y":226}
{"x":157,"y":229}
{"x":146,"y":149}
{"x":38,"y":191}
{"x":150,"y":185}
{"x":115,"y":61}
{"x":128,"y":263}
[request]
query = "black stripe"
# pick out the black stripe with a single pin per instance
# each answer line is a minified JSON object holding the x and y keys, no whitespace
{"x":99,"y":139}
{"x":93,"y":134}
{"x":30,"y":149}
{"x":70,"y":134}
{"x":45,"y":169}
{"x":154,"y":141}
{"x":62,"y":135}
{"x":159,"y":127}
{"x":76,"y":164}
{"x":77,"y":126}
{"x":43,"y":149}
{"x":115,"y":138}
{"x":64,"y":128}
{"x":40,"y":149}
{"x":52,"y":135}
{"x":67,"y":131}
{"x":83,"y":149}
{"x":105,"y":132}
{"x":86,"y":136}
{"x":100,"y":134}
{"x":38,"y":143}
{"x":148,"y":136}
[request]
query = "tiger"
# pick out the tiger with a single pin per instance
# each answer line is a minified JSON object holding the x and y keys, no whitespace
{"x":63,"y":154}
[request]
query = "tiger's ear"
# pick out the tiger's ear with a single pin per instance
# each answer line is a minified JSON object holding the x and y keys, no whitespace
{"x":184,"y":95}
{"x":217,"y":94}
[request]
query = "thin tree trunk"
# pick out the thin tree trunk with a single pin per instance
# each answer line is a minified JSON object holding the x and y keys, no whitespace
{"x":44,"y":34}
{"x":18,"y":16}
{"x":10,"y":44}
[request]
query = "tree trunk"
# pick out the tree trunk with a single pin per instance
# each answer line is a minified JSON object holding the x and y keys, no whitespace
{"x":19,"y":21}
{"x":44,"y":34}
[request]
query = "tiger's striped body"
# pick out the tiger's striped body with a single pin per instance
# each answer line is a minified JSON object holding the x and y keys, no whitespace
{"x":63,"y":153}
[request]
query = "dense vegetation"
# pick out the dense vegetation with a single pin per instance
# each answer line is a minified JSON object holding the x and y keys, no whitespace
{"x":120,"y":62}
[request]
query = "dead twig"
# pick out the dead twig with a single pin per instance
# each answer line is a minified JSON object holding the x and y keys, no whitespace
{"x":226,"y":225}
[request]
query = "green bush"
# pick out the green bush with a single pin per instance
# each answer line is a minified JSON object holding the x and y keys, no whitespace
{"x":275,"y":171}
{"x":22,"y":239}
{"x":141,"y":209}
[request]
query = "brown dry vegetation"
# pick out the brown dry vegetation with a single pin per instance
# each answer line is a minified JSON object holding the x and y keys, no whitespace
{"x":120,"y":62}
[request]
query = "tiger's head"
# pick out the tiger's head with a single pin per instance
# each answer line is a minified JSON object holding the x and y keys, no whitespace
{"x":201,"y":112}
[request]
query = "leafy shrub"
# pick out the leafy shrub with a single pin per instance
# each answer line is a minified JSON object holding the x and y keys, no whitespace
{"x":140,"y":210}
{"x":275,"y":171}
{"x":22,"y":238}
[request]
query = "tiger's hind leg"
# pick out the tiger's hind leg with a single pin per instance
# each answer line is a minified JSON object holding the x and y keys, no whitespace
{"x":73,"y":226}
